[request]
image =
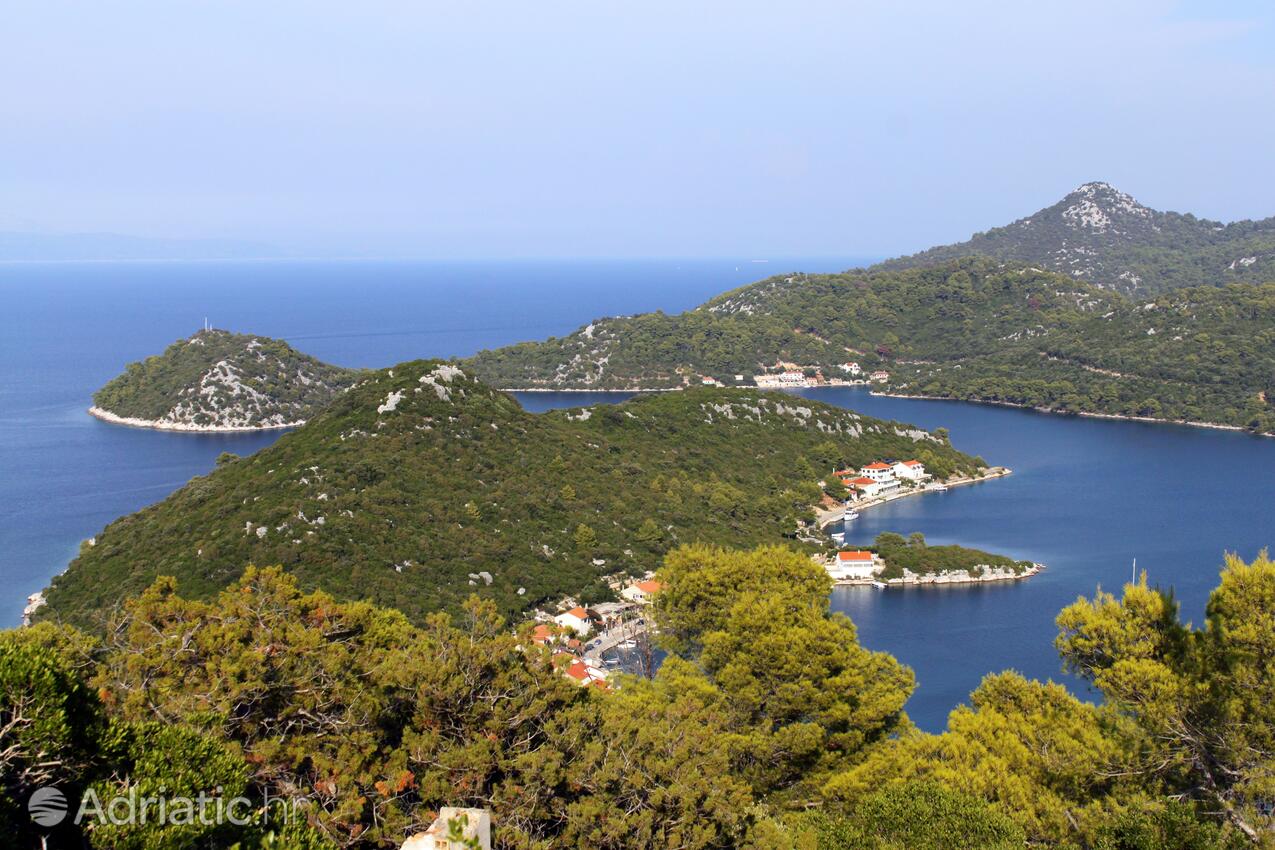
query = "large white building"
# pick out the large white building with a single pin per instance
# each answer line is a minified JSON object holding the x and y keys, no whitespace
{"x":878,"y":471}
{"x":854,"y":564}
{"x":790,"y":378}
{"x":910,"y":470}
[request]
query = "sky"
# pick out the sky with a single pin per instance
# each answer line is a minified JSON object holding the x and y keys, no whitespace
{"x":554,"y":129}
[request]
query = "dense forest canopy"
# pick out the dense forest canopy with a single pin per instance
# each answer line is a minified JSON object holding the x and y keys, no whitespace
{"x":769,"y":727}
{"x":417,"y":481}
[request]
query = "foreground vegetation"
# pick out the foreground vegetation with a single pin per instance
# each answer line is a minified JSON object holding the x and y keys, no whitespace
{"x":972,"y":329}
{"x":768,"y":726}
{"x":221,"y":379}
{"x":420,"y":486}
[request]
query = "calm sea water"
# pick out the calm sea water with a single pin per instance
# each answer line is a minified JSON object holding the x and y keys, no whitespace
{"x":1086,"y":498}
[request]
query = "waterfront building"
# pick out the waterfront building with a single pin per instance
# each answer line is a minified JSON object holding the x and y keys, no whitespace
{"x":878,"y":471}
{"x":866,"y":487}
{"x":854,"y":564}
{"x":910,"y":470}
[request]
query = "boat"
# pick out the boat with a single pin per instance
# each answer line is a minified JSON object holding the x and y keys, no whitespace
{"x":880,"y":585}
{"x":937,"y":487}
{"x":838,"y":537}
{"x":629,"y":644}
{"x":850,"y":515}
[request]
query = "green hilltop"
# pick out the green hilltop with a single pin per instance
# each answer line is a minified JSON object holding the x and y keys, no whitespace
{"x":421,"y":485}
{"x":1103,"y":236}
{"x":217,"y":380}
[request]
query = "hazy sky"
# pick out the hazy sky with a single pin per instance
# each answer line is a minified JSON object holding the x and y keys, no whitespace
{"x":522,"y":128}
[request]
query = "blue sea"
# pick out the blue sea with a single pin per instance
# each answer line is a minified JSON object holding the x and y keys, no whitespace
{"x":1086,"y":498}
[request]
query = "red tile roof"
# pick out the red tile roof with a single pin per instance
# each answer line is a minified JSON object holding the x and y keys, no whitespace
{"x":862,"y":481}
{"x":651,"y":586}
{"x":857,"y":555}
{"x":911,"y":463}
{"x":579,"y":612}
{"x":876,"y":464}
{"x":542,"y":633}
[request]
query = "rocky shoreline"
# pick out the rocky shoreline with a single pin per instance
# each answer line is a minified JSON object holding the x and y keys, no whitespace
{"x":1151,"y":419}
{"x":910,"y":579}
{"x":159,"y":425}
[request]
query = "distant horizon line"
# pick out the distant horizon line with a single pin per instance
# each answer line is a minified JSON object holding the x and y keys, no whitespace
{"x":751,"y":260}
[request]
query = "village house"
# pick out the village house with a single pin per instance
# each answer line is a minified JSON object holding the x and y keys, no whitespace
{"x":864,"y":488}
{"x":641,"y":591}
{"x":880,"y":376}
{"x":854,"y":564}
{"x":878,"y":471}
{"x":612,"y":614}
{"x":910,"y":470}
{"x":579,"y":671}
{"x":851,"y":368}
{"x":544,"y":634}
{"x":579,"y":620}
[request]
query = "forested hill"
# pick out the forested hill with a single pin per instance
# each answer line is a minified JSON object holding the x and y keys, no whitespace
{"x":217,"y":380}
{"x":1102,"y":235}
{"x":420,"y":486}
{"x":973,"y":328}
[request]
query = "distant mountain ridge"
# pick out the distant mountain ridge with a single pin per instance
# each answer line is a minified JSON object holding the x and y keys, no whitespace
{"x":221,"y":381}
{"x":973,"y":328}
{"x":1103,"y":236}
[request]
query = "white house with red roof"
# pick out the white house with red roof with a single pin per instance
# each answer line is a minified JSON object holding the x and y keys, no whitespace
{"x":641,"y":591}
{"x":581,"y":672}
{"x":910,"y":470}
{"x":878,"y":471}
{"x":865,"y":487}
{"x":577,"y":619}
{"x":854,"y":564}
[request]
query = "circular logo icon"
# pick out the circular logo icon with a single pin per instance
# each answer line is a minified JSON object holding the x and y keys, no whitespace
{"x":47,"y":806}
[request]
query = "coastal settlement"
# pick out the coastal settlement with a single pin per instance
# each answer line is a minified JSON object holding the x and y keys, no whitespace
{"x":886,"y":480}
